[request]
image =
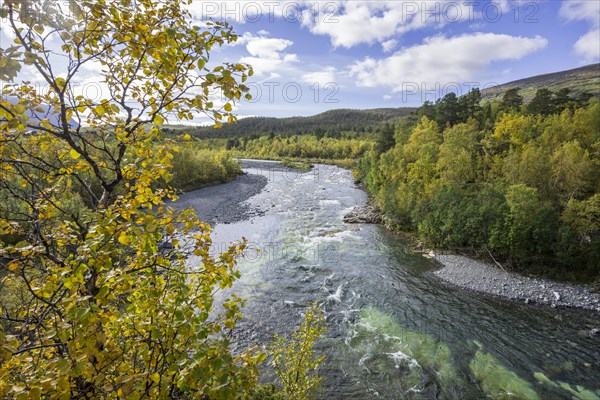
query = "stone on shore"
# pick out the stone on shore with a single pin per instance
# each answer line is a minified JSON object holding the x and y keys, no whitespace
{"x":369,"y":214}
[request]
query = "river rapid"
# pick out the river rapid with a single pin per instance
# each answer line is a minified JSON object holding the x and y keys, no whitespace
{"x":395,"y":331}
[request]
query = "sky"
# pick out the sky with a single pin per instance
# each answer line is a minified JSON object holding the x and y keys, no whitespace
{"x":313,"y":56}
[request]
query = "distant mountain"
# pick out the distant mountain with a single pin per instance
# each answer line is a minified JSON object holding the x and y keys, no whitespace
{"x":332,"y":122}
{"x":579,"y":80}
{"x":43,"y":112}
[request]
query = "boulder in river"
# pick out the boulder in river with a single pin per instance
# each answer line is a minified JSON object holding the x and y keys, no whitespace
{"x":369,"y":214}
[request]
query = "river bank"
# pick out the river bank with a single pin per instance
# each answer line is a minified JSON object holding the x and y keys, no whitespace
{"x":486,"y":278}
{"x":483,"y":277}
{"x":224,"y":203}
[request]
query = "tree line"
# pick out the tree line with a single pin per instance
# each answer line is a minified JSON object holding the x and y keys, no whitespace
{"x":518,"y":181}
{"x":332,"y":123}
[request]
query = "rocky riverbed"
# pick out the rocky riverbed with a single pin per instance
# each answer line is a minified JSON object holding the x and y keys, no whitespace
{"x":369,"y":214}
{"x":224,"y":204}
{"x":486,"y":278}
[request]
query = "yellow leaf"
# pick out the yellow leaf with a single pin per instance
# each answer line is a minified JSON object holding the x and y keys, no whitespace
{"x":124,"y":239}
{"x":158,"y":120}
{"x":155,"y":377}
{"x":227,"y":107}
{"x":99,"y":110}
{"x":75,"y":154}
{"x":60,"y":82}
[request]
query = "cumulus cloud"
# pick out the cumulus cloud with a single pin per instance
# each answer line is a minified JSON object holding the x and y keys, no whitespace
{"x":267,"y":47}
{"x":350,"y":23}
{"x":581,"y":10}
{"x":389,"y":45}
{"x":453,"y":59}
{"x":267,"y":55}
{"x":321,"y":77}
{"x":588,"y":45}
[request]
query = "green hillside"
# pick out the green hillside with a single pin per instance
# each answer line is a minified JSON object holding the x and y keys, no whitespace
{"x":333,"y":121}
{"x":579,"y":80}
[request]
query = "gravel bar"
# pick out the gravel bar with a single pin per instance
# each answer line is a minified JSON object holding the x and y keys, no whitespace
{"x":224,"y":203}
{"x":486,"y":278}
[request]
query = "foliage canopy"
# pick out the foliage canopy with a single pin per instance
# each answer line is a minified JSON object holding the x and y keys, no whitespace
{"x":98,"y":298}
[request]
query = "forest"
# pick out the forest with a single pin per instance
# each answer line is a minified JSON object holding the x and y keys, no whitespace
{"x":520,"y":182}
{"x":332,"y":122}
{"x":516,"y":181}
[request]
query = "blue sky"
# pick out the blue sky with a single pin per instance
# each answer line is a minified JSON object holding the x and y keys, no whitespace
{"x":313,"y":56}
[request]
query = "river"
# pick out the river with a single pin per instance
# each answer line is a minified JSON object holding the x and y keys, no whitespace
{"x":394,"y":330}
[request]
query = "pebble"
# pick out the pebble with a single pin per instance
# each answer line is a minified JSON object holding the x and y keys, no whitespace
{"x":486,"y":278}
{"x":556,"y":296}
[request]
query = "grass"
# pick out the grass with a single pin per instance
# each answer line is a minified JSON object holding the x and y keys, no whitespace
{"x":296,"y":164}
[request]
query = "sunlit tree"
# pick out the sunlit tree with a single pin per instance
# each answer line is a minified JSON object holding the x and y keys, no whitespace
{"x":98,"y":298}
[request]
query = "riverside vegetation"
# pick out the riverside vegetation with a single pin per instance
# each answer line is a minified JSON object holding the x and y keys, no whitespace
{"x":516,"y":181}
{"x":520,"y":182}
{"x":97,"y":296}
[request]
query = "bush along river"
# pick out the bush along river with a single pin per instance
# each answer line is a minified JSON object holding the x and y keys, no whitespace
{"x":395,"y":330}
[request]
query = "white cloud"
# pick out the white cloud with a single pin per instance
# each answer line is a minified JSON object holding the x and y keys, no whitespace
{"x":387,"y":97}
{"x":267,"y":55}
{"x":455,"y":59}
{"x":6,"y":36}
{"x":350,"y":23}
{"x":588,"y":45}
{"x":321,"y":77}
{"x":389,"y":45}
{"x":581,"y":10}
{"x":267,"y":47}
{"x":503,"y":5}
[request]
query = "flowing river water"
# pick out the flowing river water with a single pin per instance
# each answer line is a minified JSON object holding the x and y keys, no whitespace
{"x":394,"y":330}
